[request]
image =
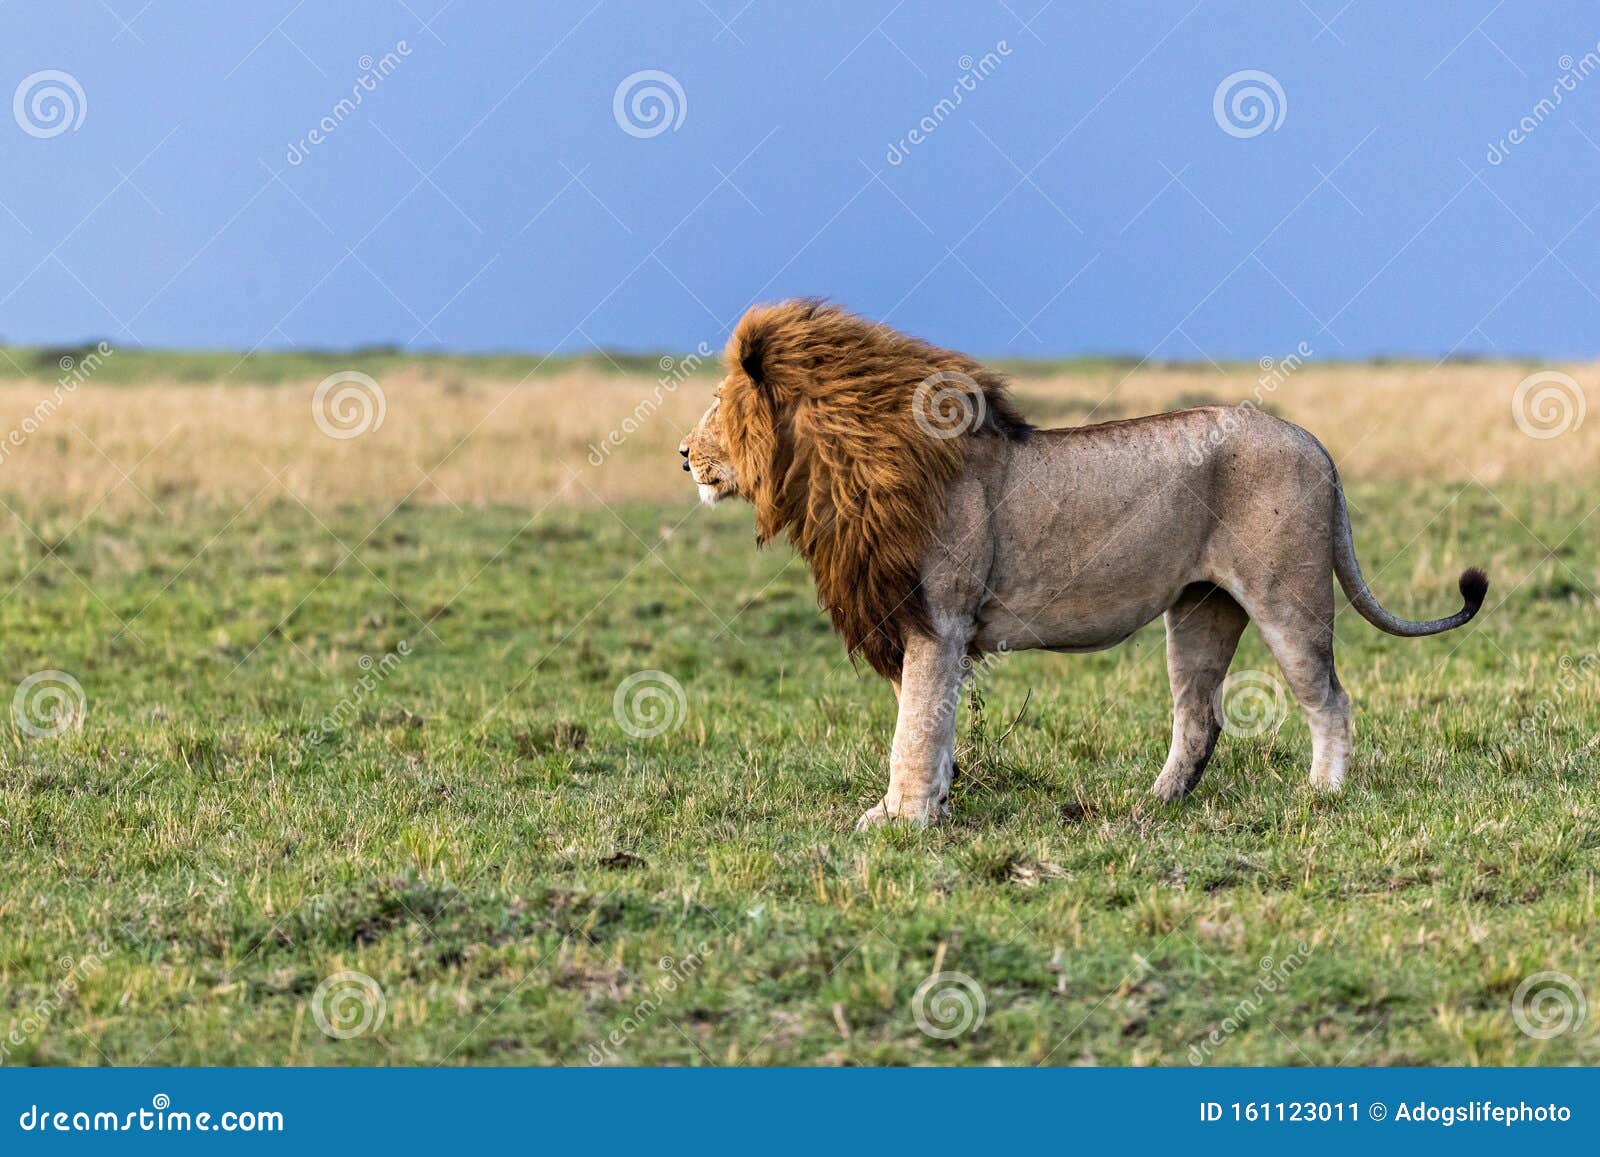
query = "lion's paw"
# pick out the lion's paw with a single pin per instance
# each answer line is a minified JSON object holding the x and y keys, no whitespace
{"x":1175,"y":783}
{"x":876,"y":818}
{"x":1170,"y":790}
{"x":881,"y":816}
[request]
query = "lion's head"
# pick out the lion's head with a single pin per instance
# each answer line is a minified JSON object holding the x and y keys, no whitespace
{"x":705,"y":457}
{"x":844,"y":434}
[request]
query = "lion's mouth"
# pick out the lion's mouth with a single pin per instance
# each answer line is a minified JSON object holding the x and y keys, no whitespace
{"x":713,"y":490}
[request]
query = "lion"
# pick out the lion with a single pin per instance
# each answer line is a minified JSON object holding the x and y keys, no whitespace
{"x":940,"y":526}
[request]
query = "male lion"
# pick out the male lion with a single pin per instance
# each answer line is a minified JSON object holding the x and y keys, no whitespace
{"x":940,"y":526}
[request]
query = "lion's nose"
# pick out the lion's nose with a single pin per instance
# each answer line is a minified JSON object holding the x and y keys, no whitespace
{"x":684,"y":450}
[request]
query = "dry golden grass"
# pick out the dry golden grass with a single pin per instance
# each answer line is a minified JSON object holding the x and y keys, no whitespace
{"x":462,"y":440}
{"x":1381,"y":423}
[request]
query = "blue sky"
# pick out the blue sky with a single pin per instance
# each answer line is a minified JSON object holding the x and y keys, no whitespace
{"x":1083,"y":196}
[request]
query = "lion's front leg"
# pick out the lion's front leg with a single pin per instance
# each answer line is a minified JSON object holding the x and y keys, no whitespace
{"x":922,"y":760}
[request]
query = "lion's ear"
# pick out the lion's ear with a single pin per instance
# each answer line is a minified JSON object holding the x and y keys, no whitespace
{"x":753,"y":358}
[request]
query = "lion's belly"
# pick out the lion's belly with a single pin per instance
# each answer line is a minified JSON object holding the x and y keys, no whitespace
{"x":1054,"y":619}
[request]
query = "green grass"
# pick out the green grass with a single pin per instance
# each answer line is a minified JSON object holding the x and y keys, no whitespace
{"x":478,"y":835}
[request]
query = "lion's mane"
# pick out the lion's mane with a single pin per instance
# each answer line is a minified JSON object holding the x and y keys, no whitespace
{"x":820,"y":417}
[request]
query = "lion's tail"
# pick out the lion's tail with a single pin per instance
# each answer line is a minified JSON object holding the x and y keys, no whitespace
{"x":1474,"y":585}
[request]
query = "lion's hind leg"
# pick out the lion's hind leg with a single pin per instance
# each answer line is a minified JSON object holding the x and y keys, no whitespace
{"x":1302,"y":643}
{"x":1203,"y":629}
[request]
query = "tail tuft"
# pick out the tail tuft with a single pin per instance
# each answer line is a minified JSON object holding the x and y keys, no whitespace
{"x":1474,"y":586}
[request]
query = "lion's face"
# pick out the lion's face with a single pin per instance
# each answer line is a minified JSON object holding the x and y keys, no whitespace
{"x":705,"y":457}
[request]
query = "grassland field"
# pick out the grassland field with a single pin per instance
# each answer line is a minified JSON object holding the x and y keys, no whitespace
{"x":346,"y":751}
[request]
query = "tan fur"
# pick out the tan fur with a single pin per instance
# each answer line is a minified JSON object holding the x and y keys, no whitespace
{"x":934,"y":541}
